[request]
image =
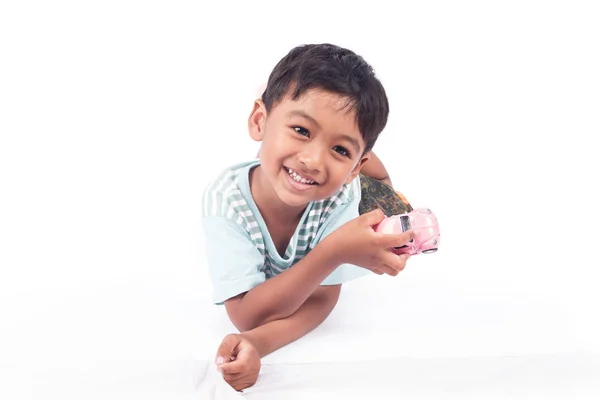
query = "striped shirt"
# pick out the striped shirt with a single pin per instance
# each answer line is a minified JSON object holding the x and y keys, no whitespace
{"x":240,"y":252}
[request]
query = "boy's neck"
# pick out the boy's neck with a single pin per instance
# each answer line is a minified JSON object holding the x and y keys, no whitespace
{"x":268,"y":203}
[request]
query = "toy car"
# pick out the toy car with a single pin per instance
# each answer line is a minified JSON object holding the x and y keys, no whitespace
{"x":425,"y":226}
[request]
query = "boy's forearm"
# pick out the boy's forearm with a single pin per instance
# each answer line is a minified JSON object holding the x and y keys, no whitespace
{"x":375,"y":169}
{"x":281,"y":296}
{"x":276,"y":334}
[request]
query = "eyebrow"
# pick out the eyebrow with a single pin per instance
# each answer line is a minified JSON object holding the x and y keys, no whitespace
{"x":342,"y":136}
{"x":302,"y":114}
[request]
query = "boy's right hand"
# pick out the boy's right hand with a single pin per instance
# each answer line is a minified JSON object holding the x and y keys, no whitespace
{"x":238,"y":361}
{"x":357,"y":243}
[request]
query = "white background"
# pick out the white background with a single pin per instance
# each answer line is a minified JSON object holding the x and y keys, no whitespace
{"x":114,"y":115}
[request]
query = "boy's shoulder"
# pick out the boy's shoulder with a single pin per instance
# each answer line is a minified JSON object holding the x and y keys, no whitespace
{"x":230,"y":186}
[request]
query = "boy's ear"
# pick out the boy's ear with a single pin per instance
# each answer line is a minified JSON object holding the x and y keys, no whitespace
{"x":358,"y":167}
{"x":256,"y":120}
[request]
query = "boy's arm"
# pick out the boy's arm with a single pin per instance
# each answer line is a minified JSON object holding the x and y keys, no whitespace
{"x":375,"y":169}
{"x":276,"y":334}
{"x":238,"y":356}
{"x":354,"y":243}
{"x":282,"y":295}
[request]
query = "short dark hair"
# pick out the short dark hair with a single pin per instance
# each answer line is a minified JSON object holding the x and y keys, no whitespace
{"x":336,"y":70}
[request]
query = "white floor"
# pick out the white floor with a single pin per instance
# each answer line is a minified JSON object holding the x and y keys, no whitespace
{"x":394,"y":339}
{"x":551,"y":376}
{"x":387,"y":337}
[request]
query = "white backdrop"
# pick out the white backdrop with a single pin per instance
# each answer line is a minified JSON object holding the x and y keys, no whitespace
{"x":114,"y":116}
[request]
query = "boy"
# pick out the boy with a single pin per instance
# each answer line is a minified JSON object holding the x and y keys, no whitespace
{"x":300,"y":205}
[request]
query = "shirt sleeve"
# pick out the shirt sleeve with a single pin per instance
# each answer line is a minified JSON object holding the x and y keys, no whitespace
{"x":234,"y":262}
{"x":341,"y":215}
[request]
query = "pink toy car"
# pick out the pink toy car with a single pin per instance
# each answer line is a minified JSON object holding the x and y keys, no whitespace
{"x":425,"y":226}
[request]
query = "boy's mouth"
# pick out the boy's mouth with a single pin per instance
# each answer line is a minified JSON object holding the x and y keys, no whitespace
{"x":299,"y":178}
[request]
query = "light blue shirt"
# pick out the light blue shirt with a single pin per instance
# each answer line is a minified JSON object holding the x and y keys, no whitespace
{"x":239,"y":250}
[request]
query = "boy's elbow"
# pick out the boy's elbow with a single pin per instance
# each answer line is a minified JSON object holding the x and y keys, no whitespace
{"x":240,"y":321}
{"x":237,"y":314}
{"x":243,"y":325}
{"x":246,"y":320}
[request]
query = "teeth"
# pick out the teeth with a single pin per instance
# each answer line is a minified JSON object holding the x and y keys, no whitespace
{"x":298,"y":178}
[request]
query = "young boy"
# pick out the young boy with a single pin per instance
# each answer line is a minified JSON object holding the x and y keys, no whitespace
{"x":284,"y":232}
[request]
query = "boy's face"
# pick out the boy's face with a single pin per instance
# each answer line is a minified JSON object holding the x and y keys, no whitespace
{"x":310,"y":147}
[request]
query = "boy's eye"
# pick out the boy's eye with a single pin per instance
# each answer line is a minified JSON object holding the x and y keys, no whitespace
{"x":342,"y":150}
{"x":301,"y":130}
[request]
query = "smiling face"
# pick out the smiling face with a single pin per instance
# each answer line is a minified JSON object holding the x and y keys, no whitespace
{"x":310,"y":147}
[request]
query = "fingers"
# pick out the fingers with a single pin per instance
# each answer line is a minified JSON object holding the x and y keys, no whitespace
{"x":233,"y":381}
{"x":242,"y":372}
{"x":239,"y":382}
{"x":394,"y":263}
{"x":233,"y":368}
{"x":384,"y":268}
{"x":227,"y":350}
{"x":244,"y":356}
{"x":397,"y":240}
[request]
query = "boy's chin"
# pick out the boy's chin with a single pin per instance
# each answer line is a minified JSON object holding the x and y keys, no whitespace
{"x":298,"y":201}
{"x":294,"y":201}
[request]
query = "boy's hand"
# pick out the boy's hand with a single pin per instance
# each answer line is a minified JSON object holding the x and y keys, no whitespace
{"x":238,"y":361}
{"x":357,"y":243}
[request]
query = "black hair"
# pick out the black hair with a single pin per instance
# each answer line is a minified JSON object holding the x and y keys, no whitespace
{"x":337,"y":70}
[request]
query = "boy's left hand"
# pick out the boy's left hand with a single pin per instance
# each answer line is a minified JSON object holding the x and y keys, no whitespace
{"x":239,"y":361}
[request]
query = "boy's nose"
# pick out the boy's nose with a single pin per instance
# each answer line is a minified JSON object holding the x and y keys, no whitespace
{"x":311,"y":158}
